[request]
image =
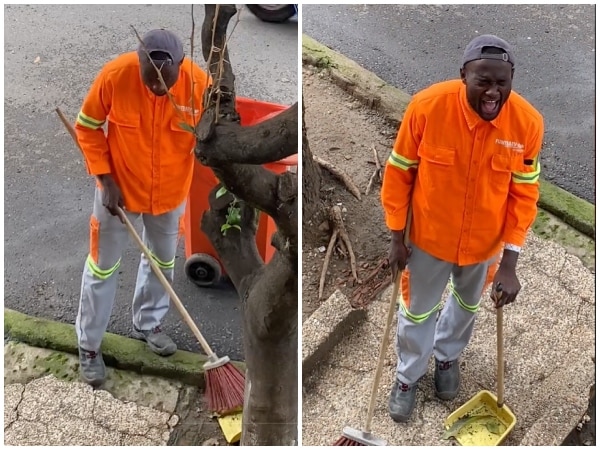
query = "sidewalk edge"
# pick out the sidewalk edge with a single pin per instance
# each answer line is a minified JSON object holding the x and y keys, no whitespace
{"x":325,"y":328}
{"x":118,"y":351}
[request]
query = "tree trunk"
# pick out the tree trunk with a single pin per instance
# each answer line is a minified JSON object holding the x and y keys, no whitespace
{"x":268,"y":292}
{"x":311,"y":181}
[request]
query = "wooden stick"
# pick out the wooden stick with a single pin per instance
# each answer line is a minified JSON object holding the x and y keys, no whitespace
{"x":500,"y":355}
{"x":334,"y":236}
{"x":372,"y":180}
{"x":377,"y":172}
{"x":68,"y":126}
{"x":341,"y":248}
{"x":341,"y":175}
{"x":386,"y":333}
{"x":377,"y":161}
{"x":336,"y":217}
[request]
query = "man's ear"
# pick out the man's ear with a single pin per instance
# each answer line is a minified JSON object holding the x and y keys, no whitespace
{"x":181,"y":62}
{"x":463,"y":75}
{"x":512,"y":73}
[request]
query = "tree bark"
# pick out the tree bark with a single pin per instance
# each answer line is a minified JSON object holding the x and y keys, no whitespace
{"x":311,"y":181}
{"x":268,"y":292}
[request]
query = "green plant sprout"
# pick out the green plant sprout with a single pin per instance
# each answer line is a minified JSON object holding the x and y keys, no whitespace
{"x":234,"y":216}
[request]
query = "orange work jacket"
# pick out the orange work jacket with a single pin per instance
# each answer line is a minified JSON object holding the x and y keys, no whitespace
{"x":145,"y":149}
{"x":475,"y":184}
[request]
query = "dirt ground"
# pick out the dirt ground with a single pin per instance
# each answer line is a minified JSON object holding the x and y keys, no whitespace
{"x":197,"y":426}
{"x":343,"y":132}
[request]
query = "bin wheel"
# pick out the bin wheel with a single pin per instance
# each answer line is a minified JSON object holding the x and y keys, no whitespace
{"x":202,"y":269}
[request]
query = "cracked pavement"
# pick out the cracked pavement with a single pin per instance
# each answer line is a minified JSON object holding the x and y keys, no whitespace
{"x":45,"y":405}
{"x":549,"y":354}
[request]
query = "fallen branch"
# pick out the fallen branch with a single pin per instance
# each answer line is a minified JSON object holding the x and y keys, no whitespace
{"x":334,"y":236}
{"x":338,"y":223}
{"x":371,"y":180}
{"x":378,"y":173}
{"x":339,"y":232}
{"x":341,"y":175}
{"x":377,"y":161}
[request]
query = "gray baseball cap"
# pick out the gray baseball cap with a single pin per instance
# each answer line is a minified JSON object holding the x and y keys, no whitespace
{"x":165,"y":41}
{"x":473,"y":51}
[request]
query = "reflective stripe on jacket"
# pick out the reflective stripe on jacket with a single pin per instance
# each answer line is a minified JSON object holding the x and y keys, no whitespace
{"x":145,"y":149}
{"x":475,"y":182}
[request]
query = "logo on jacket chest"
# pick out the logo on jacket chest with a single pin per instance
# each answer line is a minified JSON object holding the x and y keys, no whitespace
{"x":513,"y":145}
{"x":188,"y":109}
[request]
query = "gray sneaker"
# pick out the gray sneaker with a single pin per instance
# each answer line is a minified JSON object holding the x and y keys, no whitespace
{"x":402,"y":401}
{"x":447,"y":379}
{"x":91,"y":367}
{"x":157,"y":340}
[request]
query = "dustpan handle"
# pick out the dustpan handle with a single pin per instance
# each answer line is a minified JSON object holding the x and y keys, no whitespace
{"x":386,"y":333}
{"x":500,"y":354}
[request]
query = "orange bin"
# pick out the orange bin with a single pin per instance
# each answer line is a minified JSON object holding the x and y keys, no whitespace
{"x":202,"y":265}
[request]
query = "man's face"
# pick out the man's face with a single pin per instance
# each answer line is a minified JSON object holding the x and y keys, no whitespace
{"x":488,"y":82}
{"x":169,"y":72}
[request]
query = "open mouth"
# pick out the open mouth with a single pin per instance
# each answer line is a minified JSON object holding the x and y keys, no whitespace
{"x":490,"y":107}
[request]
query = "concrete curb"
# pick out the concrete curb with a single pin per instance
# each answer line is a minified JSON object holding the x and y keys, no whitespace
{"x":118,"y":351}
{"x":391,"y":103}
{"x":324,"y":329}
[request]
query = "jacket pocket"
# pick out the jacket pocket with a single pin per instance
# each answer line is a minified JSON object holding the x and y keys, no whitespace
{"x":437,"y":166}
{"x":441,"y":156}
{"x":183,"y":139}
{"x":125,"y":118}
{"x":503,"y":165}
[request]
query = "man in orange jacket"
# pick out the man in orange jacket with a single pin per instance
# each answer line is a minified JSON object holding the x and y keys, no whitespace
{"x":143,"y":164}
{"x":466,"y":159}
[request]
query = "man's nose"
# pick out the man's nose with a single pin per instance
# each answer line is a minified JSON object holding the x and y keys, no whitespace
{"x":492,"y":90}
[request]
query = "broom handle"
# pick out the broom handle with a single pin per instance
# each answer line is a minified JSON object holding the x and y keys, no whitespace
{"x":500,"y":354}
{"x":386,"y":333}
{"x":163,"y":280}
{"x":69,"y":127}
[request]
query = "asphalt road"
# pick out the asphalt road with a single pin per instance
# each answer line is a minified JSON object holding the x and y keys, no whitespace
{"x":413,"y":46}
{"x":52,"y":54}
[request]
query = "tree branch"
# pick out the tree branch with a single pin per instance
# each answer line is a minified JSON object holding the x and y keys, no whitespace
{"x":268,"y":141}
{"x":215,"y":52}
{"x":278,"y":296}
{"x":260,"y":188}
{"x":237,"y":249}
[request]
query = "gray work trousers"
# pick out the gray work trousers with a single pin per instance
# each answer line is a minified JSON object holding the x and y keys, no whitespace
{"x":108,"y":237}
{"x":419,"y":334}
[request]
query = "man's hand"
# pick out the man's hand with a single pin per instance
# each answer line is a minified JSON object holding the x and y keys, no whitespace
{"x":506,"y":285}
{"x":111,"y":195}
{"x":399,"y":253}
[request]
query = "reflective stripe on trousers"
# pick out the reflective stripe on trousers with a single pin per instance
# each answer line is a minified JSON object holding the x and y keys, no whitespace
{"x":108,"y":236}
{"x":420,"y":332}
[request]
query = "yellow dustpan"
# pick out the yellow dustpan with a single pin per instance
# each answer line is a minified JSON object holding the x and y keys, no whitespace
{"x":485,"y":419}
{"x":231,"y":425}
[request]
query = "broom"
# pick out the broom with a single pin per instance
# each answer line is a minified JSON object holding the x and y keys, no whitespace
{"x":224,"y":382}
{"x":351,"y":436}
